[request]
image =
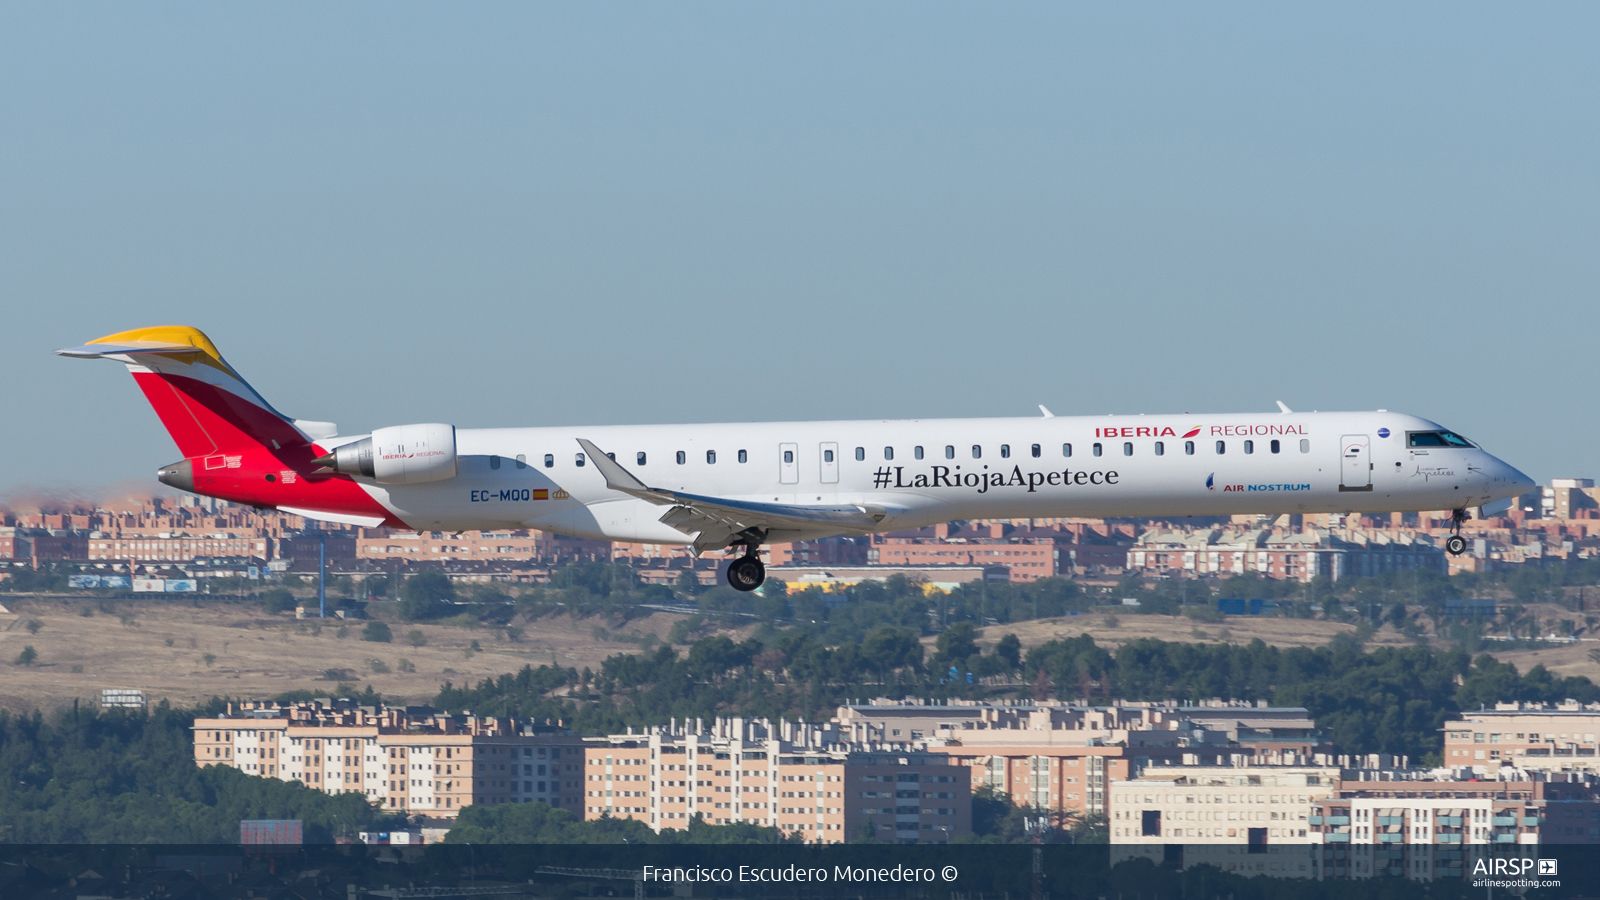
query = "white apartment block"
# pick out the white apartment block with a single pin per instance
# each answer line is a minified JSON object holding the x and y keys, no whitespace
{"x":415,"y":761}
{"x":1244,"y":804}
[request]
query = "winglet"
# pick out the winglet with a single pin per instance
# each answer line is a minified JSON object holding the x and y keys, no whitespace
{"x":1047,"y":413}
{"x":1286,"y":410}
{"x":617,"y":478}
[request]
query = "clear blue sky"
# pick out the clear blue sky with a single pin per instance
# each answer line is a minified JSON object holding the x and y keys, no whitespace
{"x":498,"y":214}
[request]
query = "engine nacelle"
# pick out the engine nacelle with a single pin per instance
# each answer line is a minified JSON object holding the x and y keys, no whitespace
{"x":400,"y":454}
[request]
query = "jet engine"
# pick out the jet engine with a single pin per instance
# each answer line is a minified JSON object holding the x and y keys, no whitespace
{"x":400,"y":454}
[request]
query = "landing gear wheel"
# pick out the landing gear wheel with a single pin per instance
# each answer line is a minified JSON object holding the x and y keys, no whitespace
{"x":746,"y":573}
{"x":1455,"y":545}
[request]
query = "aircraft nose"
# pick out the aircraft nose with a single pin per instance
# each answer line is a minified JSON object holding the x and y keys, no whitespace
{"x":1511,"y":476}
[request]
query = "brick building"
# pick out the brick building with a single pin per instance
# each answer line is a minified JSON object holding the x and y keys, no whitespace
{"x":1027,"y":558}
{"x":1064,"y":757}
{"x":799,"y":778}
{"x":1411,"y":808}
{"x":1527,"y":736}
{"x":1297,"y":556}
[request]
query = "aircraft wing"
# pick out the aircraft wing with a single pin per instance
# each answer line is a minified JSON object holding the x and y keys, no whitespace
{"x":716,"y":520}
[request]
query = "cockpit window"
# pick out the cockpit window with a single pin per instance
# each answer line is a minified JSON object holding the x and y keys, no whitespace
{"x":1436,"y":439}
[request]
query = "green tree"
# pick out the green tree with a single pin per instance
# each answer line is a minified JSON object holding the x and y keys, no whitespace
{"x":27,"y":656}
{"x":1009,"y":651}
{"x":416,"y":638}
{"x":426,"y":595}
{"x":377,"y":632}
{"x":955,"y":644}
{"x":688,"y":585}
{"x":277,"y":600}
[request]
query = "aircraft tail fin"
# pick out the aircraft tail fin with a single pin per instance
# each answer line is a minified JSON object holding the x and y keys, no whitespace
{"x":204,"y":404}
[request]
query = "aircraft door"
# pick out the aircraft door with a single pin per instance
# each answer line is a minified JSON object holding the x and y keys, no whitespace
{"x":788,"y":463}
{"x":1355,"y":464}
{"x":830,"y":463}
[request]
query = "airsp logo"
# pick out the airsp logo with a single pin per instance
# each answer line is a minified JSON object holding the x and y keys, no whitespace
{"x":1547,"y":867}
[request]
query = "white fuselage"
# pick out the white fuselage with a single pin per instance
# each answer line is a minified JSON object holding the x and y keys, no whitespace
{"x":920,"y":472}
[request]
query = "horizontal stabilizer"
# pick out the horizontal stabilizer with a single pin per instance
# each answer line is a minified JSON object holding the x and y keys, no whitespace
{"x":126,"y":348}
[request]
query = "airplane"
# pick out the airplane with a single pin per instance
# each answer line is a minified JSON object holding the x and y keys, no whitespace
{"x":737,"y":486}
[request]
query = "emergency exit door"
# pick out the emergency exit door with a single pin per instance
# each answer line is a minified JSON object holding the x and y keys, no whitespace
{"x":1355,"y":464}
{"x":830,"y":463}
{"x":788,"y":463}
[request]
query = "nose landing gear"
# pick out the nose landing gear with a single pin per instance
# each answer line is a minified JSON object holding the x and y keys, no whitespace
{"x":1455,"y":544}
{"x":747,"y":573}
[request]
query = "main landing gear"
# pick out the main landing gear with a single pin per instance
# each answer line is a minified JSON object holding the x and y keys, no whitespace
{"x":1455,"y":544}
{"x":747,"y":573}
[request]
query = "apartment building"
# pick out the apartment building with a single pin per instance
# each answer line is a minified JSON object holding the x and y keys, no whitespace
{"x":1374,"y":801}
{"x":175,"y":547}
{"x":508,"y":545}
{"x":1239,"y":803}
{"x":413,"y":760}
{"x":1533,"y":736}
{"x":1453,"y":807}
{"x":1028,"y":558}
{"x":799,"y":778}
{"x":1064,"y":757}
{"x":1296,"y":556}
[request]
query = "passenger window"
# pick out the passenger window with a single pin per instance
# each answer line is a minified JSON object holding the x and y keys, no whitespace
{"x":1222,"y":447}
{"x":1096,"y":449}
{"x":579,"y":459}
{"x":1249,"y":446}
{"x":522,"y":461}
{"x":711,"y":457}
{"x":1275,"y":446}
{"x":1005,"y":451}
{"x":1127,"y":449}
{"x":861,"y":454}
{"x":977,"y":452}
{"x":549,"y":460}
{"x":1066,"y":449}
{"x":917,"y":451}
{"x":743,"y":456}
{"x":827,"y":456}
{"x":1161,"y":449}
{"x":682,"y":457}
{"x":1188,"y":448}
{"x":1305,"y":445}
{"x":888,"y":453}
{"x":494,"y":462}
{"x":788,"y":456}
{"x":949,"y":451}
{"x":638,"y":458}
{"x":1036,"y":451}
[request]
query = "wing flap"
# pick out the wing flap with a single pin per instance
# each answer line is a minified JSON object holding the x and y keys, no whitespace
{"x":717,"y":519}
